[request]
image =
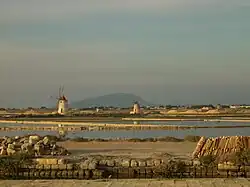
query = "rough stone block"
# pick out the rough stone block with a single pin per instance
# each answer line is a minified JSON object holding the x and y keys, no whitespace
{"x":150,"y":163}
{"x":11,"y":151}
{"x":55,"y":166}
{"x":62,"y":166}
{"x":69,"y":166}
{"x":227,"y":167}
{"x":47,"y":166}
{"x":188,"y":163}
{"x":92,"y":165}
{"x":48,"y":161}
{"x":157,"y":162}
{"x":111,"y":163}
{"x":24,"y":139}
{"x":39,"y":166}
{"x":46,"y":141}
{"x":31,"y":166}
{"x":196,"y":163}
{"x":84,"y":164}
{"x":33,"y":139}
{"x":3,"y":152}
{"x":118,"y":162}
{"x":134,"y":163}
{"x":126,"y":163}
{"x":103,"y":162}
{"x":142,"y":163}
{"x":62,"y":161}
{"x":11,"y":146}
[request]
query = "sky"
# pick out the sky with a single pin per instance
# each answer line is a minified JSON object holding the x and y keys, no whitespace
{"x":166,"y":51}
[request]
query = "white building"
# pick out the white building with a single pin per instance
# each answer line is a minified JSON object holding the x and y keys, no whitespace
{"x":62,"y":105}
{"x":239,"y":106}
{"x":136,"y":109}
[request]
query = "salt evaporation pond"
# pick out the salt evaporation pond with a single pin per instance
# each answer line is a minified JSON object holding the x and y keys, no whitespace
{"x":179,"y":123}
{"x":208,"y":132}
{"x":184,"y":123}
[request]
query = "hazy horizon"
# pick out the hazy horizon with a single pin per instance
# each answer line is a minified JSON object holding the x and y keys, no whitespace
{"x":165,"y":51}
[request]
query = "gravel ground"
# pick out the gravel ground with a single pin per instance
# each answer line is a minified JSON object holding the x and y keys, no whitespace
{"x":130,"y":183}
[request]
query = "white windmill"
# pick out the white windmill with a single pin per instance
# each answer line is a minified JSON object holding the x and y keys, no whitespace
{"x":136,"y":109}
{"x":62,"y":103}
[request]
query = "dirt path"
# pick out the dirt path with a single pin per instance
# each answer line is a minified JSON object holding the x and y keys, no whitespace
{"x":129,"y":183}
{"x":133,"y":149}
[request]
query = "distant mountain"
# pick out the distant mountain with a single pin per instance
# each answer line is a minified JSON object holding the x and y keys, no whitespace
{"x":122,"y":100}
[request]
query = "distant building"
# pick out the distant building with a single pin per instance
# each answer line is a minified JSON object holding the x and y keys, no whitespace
{"x":205,"y":108}
{"x":239,"y":106}
{"x":136,"y":109}
{"x":62,"y":105}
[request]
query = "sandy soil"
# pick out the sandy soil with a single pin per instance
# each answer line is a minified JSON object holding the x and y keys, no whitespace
{"x":133,"y":149}
{"x":130,"y":183}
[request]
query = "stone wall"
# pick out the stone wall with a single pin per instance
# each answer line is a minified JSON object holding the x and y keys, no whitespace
{"x":96,"y":163}
{"x":92,"y":168}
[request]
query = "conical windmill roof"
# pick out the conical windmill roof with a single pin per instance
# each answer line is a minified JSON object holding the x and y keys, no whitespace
{"x":63,"y":98}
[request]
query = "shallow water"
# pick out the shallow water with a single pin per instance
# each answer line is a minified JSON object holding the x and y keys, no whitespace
{"x":179,"y":123}
{"x":212,"y":132}
{"x":184,"y":123}
{"x":208,"y":132}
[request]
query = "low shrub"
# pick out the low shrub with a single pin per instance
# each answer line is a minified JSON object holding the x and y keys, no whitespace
{"x":11,"y":164}
{"x":169,"y":139}
{"x":240,"y":158}
{"x":170,"y":168}
{"x":192,"y":138}
{"x":80,"y":139}
{"x":208,"y":160}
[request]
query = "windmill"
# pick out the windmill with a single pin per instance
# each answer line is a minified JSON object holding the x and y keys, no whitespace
{"x":62,"y":101}
{"x":136,"y":108}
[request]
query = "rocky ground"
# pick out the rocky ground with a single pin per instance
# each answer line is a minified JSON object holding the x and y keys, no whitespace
{"x":130,"y":183}
{"x":32,"y":145}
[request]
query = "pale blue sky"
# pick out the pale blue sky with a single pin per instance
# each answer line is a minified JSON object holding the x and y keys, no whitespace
{"x":166,"y":51}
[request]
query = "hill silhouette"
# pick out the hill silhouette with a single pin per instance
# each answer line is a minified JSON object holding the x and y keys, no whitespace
{"x":122,"y":100}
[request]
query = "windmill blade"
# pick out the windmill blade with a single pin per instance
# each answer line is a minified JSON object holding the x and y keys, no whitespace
{"x":62,"y":90}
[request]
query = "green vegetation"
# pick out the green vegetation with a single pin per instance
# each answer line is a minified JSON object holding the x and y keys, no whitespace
{"x":208,"y":160}
{"x":240,"y":158}
{"x":170,"y":168}
{"x":159,"y":139}
{"x":12,"y":164}
{"x":191,"y":138}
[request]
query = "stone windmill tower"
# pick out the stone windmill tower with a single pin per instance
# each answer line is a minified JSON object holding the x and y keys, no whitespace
{"x":62,"y":104}
{"x":136,"y":109}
